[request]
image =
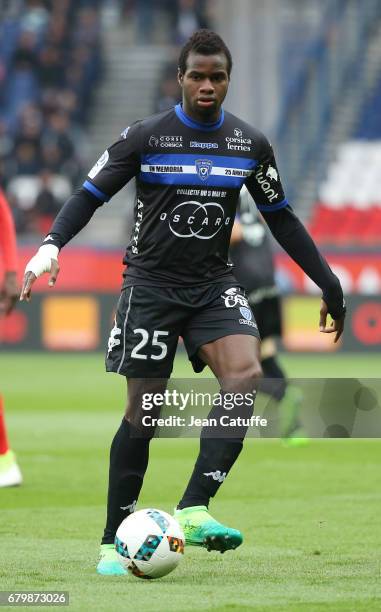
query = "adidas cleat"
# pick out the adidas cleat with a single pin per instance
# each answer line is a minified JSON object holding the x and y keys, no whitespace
{"x":109,"y":564}
{"x":201,"y":529}
{"x":10,"y":475}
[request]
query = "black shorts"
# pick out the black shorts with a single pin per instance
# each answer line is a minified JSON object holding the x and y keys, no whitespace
{"x":149,"y":321}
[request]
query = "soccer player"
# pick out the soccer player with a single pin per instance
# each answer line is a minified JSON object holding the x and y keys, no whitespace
{"x":10,"y":474}
{"x":252,"y":257}
{"x":190,"y":163}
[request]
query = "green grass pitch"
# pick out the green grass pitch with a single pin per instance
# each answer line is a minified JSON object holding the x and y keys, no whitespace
{"x":310,"y":516}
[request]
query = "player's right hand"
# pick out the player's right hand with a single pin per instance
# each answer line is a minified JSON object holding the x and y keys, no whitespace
{"x":45,"y":260}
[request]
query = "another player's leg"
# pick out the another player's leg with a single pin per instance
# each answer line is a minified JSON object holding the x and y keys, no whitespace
{"x":267,"y":310}
{"x":10,"y":474}
{"x":287,"y":396}
{"x":235,"y":362}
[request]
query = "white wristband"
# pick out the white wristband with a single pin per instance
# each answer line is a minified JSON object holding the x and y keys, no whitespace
{"x":42,"y":261}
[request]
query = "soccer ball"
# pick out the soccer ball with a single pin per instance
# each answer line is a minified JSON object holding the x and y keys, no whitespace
{"x":149,"y":543}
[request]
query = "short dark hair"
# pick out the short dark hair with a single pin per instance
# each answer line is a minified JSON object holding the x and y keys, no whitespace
{"x":205,"y":42}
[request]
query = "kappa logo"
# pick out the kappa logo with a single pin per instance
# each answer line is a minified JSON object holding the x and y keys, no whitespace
{"x":113,"y":341}
{"x":272,"y":173}
{"x":48,"y":237}
{"x":131,"y":507}
{"x":136,"y":232}
{"x":217,"y":475}
{"x":194,"y":144}
{"x":204,"y":168}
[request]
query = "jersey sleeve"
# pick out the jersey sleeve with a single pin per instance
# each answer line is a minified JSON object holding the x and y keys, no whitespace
{"x":264,"y":184}
{"x":116,"y":166}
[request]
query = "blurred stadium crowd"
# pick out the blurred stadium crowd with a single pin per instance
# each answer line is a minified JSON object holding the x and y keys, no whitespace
{"x":50,"y":62}
{"x":50,"y":57}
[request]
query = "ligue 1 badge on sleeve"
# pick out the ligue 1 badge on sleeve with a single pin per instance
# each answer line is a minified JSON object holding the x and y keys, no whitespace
{"x":102,"y":161}
{"x":204,"y":168}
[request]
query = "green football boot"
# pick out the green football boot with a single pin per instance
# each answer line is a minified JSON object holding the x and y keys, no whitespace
{"x":291,"y":429}
{"x":109,"y":564}
{"x":201,"y":529}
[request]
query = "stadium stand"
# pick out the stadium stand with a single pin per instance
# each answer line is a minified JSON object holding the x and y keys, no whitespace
{"x":50,"y":60}
{"x":349,"y":208}
{"x":324,"y":98}
{"x":348,"y":211}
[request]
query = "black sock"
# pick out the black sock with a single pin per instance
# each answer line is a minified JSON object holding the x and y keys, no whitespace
{"x":128,"y":464}
{"x":216,"y":457}
{"x":273,"y":382}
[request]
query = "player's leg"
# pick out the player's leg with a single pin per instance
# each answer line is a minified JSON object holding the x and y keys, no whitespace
{"x":129,"y":456}
{"x":142,"y":346}
{"x":128,"y":464}
{"x":233,"y":357}
{"x":10,"y":474}
{"x":235,"y":362}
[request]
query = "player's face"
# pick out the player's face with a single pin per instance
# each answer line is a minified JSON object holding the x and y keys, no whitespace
{"x":204,"y":84}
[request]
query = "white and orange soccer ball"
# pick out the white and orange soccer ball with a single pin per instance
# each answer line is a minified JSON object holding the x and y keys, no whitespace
{"x":149,"y":543}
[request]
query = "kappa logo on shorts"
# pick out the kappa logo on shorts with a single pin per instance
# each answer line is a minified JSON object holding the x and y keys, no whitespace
{"x":233,"y":298}
{"x":113,"y":341}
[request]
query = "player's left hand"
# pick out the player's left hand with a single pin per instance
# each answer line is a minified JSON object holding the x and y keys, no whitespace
{"x":9,"y":293}
{"x":337,"y":325}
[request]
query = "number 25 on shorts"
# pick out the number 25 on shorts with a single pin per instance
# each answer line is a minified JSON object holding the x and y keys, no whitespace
{"x":156,"y":343}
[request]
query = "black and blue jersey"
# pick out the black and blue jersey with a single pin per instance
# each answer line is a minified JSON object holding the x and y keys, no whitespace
{"x":188,"y":179}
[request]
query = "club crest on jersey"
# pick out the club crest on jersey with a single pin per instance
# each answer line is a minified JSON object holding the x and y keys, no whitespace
{"x":204,"y":168}
{"x":245,"y":312}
